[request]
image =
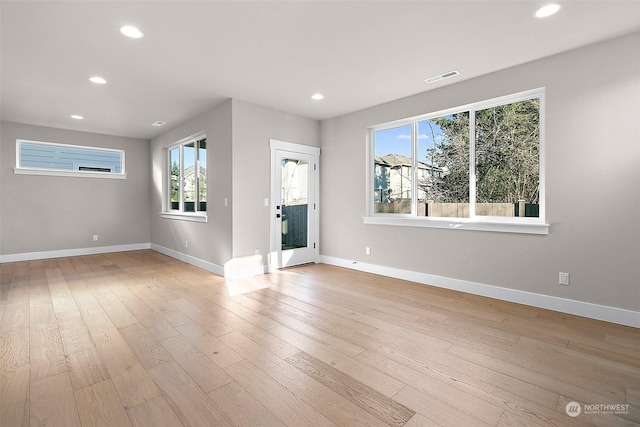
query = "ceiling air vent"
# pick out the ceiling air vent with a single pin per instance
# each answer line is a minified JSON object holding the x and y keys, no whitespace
{"x":442,"y":76}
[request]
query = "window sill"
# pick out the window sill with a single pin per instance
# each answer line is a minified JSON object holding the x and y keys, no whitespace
{"x":460,"y":224}
{"x":75,"y":174}
{"x":181,"y":216}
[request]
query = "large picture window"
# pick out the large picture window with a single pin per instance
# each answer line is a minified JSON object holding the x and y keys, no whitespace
{"x":188,"y":176}
{"x":480,"y":162}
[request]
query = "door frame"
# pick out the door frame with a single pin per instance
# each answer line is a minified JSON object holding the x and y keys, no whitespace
{"x":275,"y":252}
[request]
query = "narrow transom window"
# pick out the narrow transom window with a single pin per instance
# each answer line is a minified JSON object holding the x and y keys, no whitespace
{"x":47,"y":158}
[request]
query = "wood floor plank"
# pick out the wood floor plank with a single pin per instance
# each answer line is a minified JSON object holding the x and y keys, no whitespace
{"x":76,"y":339}
{"x":247,"y":314}
{"x":323,"y":399}
{"x":377,"y":404}
{"x":219,"y":352}
{"x":435,"y":409}
{"x":61,"y":296}
{"x":188,"y":400}
{"x":16,"y":316}
{"x":135,"y":305}
{"x":127,"y":373}
{"x":116,"y":311}
{"x":154,"y":412}
{"x":542,"y":380}
{"x":632,"y":396}
{"x":375,"y":379}
{"x":175,"y":317}
{"x":14,"y":378}
{"x":201,"y":368}
{"x":157,"y":325}
{"x":629,"y":338}
{"x":148,"y":351}
{"x":46,"y":353}
{"x":279,"y":400}
{"x":242,"y":408}
{"x":316,"y":315}
{"x":202,"y":317}
{"x":53,"y":403}
{"x":512,"y":419}
{"x":99,"y":405}
{"x":86,"y":368}
{"x":472,"y":391}
{"x":419,"y":420}
{"x":338,"y":344}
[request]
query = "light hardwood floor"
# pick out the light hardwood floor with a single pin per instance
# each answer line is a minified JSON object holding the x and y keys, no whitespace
{"x":141,"y":339}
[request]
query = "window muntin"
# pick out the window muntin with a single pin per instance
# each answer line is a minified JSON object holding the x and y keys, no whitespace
{"x":481,"y":162}
{"x":47,"y":158}
{"x":188,"y":176}
{"x":443,"y":154}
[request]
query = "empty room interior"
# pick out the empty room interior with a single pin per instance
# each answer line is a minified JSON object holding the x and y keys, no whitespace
{"x":320,"y":213}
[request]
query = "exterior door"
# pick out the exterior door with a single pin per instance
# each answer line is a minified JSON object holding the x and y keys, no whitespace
{"x":294,"y":205}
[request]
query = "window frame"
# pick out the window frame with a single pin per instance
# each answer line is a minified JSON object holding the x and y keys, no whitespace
{"x":529,"y":225}
{"x":197,"y":215}
{"x":29,"y":170}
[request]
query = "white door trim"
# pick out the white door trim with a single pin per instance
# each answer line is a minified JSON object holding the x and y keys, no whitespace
{"x":273,"y":259}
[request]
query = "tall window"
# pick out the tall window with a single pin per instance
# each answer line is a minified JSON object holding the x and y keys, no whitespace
{"x":475,"y":162}
{"x":188,"y":176}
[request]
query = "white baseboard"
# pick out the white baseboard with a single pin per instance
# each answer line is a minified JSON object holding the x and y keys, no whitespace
{"x":205,"y":265}
{"x":29,"y":256}
{"x":579,"y":308}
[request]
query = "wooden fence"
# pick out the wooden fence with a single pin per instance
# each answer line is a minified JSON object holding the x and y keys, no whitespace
{"x":459,"y":210}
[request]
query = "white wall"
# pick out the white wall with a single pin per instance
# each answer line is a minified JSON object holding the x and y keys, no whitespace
{"x":253,"y":127}
{"x":210,"y":242}
{"x":238,"y":157}
{"x":592,"y":178}
{"x":52,"y":213}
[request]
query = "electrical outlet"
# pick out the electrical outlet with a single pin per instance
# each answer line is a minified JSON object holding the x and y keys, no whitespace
{"x":563,"y":279}
{"x":95,"y":237}
{"x":367,"y":250}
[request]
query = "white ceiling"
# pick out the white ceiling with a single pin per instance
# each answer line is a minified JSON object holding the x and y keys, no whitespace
{"x":196,"y":54}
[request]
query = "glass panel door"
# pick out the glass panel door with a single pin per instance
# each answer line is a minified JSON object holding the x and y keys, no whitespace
{"x":295,"y":208}
{"x":294,"y":202}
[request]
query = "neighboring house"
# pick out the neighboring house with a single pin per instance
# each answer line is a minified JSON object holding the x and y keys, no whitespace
{"x":190,"y":184}
{"x":393,"y":177}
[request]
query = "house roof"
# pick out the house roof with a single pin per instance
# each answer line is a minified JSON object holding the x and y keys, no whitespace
{"x":392,"y":160}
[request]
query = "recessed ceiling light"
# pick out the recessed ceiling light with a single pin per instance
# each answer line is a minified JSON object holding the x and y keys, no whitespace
{"x":131,"y":31}
{"x":77,"y":117}
{"x":547,"y":10}
{"x":158,"y":123}
{"x":442,"y":76}
{"x":97,"y":80}
{"x":317,"y":96}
